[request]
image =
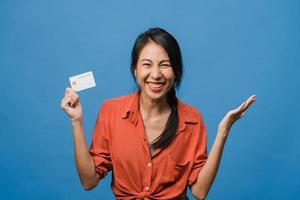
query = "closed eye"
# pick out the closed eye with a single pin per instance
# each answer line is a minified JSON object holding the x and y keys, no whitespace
{"x":146,"y":64}
{"x":166,"y":65}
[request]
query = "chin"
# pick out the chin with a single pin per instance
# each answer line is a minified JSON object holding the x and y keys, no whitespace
{"x":156,"y":96}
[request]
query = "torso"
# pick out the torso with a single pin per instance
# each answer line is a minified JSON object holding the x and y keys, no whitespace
{"x":119,"y":145}
{"x":154,"y":126}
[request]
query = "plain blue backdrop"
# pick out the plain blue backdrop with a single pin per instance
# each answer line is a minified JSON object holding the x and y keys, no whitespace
{"x":231,"y":49}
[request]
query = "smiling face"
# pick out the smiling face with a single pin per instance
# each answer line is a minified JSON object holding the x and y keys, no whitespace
{"x":154,"y":72}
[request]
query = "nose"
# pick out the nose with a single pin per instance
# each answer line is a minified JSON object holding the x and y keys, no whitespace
{"x":156,"y":72}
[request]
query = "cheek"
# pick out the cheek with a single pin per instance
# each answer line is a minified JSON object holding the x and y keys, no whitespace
{"x":171,"y":77}
{"x":141,"y":73}
{"x":140,"y":76}
{"x":169,"y":74}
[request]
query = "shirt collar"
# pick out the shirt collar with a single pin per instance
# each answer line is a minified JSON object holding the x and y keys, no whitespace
{"x":131,"y":109}
{"x":185,"y":116}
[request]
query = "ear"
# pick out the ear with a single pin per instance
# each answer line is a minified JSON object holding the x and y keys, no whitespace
{"x":135,"y":72}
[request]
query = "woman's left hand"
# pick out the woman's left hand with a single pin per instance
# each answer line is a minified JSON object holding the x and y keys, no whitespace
{"x":234,"y":115}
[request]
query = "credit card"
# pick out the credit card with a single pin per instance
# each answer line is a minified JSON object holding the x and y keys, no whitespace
{"x":82,"y":81}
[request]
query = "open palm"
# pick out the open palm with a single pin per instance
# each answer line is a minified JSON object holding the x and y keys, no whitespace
{"x":232,"y":116}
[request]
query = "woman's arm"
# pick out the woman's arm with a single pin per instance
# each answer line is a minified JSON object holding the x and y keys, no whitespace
{"x":207,"y":174}
{"x":84,"y":162}
{"x":209,"y":170}
{"x":83,"y":159}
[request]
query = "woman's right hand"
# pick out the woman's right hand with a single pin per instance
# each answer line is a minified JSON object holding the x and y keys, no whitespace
{"x":71,"y":105}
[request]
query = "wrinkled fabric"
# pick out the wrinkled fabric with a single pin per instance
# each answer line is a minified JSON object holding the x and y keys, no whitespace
{"x":119,"y":144}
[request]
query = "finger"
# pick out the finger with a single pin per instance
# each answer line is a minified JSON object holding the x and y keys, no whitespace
{"x":248,"y":103}
{"x":72,"y":103}
{"x":72,"y":93}
{"x":74,"y":96}
{"x":241,"y":115}
{"x":65,"y":102}
{"x":69,"y":90}
{"x":243,"y":107}
{"x":238,"y":109}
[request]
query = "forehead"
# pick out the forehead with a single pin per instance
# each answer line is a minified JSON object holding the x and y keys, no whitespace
{"x":153,"y":51}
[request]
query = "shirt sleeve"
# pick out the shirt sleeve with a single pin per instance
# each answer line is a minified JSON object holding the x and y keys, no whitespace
{"x":200,"y":153}
{"x":99,"y":148}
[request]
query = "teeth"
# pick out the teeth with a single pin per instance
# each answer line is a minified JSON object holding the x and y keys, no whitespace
{"x":156,"y":85}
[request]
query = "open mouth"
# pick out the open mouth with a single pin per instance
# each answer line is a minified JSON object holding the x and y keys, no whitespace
{"x":156,"y":86}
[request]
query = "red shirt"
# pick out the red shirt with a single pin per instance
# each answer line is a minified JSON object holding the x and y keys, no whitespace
{"x":119,"y":144}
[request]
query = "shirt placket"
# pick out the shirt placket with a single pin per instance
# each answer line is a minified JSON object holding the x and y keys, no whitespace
{"x":148,"y":161}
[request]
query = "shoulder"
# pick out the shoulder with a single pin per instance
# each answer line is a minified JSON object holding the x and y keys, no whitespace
{"x":188,"y":108}
{"x":116,"y":103}
{"x":189,"y":112}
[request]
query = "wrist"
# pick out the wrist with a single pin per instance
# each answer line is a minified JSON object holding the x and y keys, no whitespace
{"x":223,"y":133}
{"x":76,"y":122}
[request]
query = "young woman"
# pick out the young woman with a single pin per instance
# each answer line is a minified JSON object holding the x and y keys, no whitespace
{"x":154,"y":143}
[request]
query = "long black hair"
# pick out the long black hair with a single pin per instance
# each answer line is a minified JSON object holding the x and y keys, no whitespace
{"x":170,"y":45}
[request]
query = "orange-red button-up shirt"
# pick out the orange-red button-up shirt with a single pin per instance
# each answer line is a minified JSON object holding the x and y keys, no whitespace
{"x":119,"y":144}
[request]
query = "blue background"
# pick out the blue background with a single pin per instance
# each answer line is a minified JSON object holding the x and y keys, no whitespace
{"x":231,"y":49}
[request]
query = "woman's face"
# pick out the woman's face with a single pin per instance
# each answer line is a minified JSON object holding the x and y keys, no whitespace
{"x":154,"y":72}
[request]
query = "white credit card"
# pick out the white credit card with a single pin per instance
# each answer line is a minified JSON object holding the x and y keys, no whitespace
{"x":82,"y":81}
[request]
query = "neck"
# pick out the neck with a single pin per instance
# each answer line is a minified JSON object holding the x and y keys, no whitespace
{"x":150,"y":107}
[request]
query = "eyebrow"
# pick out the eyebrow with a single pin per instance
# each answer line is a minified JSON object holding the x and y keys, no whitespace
{"x":145,"y":59}
{"x":164,"y":61}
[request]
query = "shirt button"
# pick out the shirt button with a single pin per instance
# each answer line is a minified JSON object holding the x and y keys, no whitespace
{"x":149,"y":164}
{"x":147,"y":188}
